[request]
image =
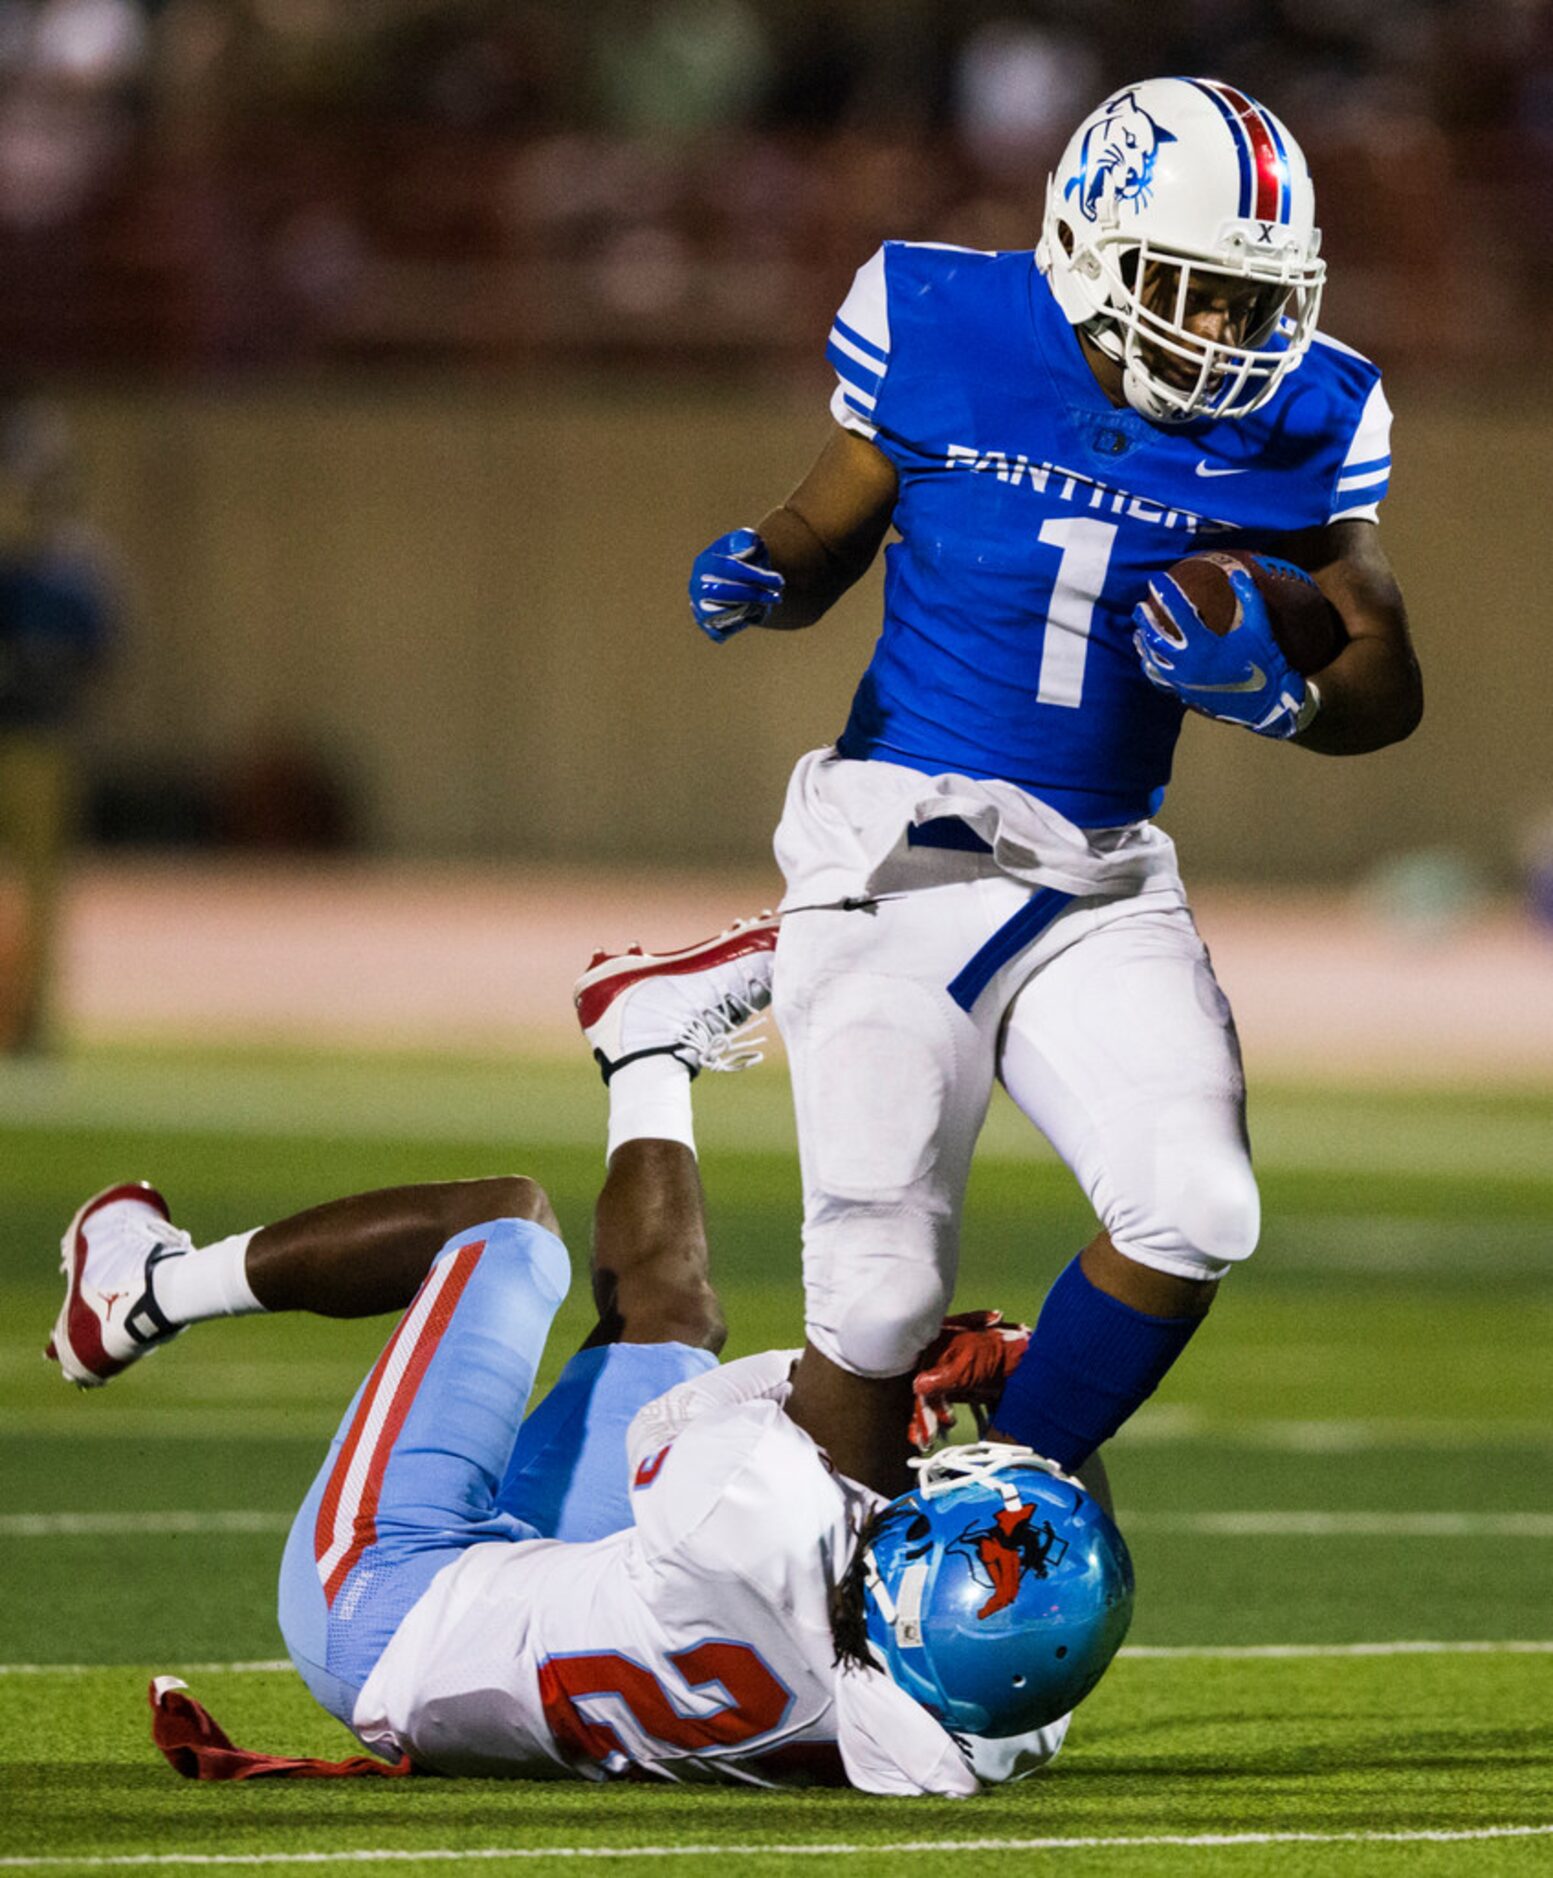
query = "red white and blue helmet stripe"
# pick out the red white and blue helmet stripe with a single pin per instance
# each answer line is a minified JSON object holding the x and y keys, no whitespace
{"x":1266,"y":193}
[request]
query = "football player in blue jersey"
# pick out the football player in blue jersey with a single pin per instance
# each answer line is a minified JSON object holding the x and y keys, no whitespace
{"x":975,"y":885}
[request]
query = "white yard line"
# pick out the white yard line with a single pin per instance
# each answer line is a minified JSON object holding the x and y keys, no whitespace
{"x":1299,"y":1525}
{"x":1171,"y":1422}
{"x":1279,"y":1652}
{"x":249,"y":1103}
{"x":79,"y":1525}
{"x":267,"y":1667}
{"x":1253,"y":1525}
{"x":1141,"y":1652}
{"x":1162,"y":1425}
{"x":835,"y":1849}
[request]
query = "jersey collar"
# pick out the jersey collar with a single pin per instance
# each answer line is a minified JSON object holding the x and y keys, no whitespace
{"x":1108,"y":431}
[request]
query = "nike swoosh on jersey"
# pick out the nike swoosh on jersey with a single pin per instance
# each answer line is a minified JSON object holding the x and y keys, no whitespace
{"x":1204,"y":468}
{"x":1254,"y":682}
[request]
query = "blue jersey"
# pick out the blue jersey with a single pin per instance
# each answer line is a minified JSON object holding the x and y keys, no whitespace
{"x":1032,"y":513}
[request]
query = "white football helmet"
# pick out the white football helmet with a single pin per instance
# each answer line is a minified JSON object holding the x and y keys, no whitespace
{"x":1176,"y":191}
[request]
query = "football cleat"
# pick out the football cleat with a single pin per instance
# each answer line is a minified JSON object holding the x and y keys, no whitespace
{"x":110,"y":1317}
{"x":696,"y":1004}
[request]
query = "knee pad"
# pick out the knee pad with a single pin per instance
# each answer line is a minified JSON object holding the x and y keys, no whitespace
{"x":877,"y":1285}
{"x":1205,"y":1219}
{"x":1224,"y":1220}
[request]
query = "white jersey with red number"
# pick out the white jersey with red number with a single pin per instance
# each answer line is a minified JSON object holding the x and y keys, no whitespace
{"x":696,"y":1645}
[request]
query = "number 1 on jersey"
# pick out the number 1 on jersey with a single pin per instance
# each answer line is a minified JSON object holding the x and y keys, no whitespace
{"x":1086,"y":554}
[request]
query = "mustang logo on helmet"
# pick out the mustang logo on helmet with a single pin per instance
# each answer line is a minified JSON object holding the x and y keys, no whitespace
{"x":1001,"y":1554}
{"x":1116,"y":160}
{"x":993,"y":1525}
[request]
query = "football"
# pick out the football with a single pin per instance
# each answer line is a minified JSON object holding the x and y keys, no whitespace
{"x":1305,"y":623}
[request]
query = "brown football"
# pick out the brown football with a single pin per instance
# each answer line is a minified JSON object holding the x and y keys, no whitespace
{"x":1305,"y":623}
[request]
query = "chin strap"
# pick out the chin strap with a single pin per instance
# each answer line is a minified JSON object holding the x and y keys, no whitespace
{"x":1146,"y":401}
{"x":1101,"y":330}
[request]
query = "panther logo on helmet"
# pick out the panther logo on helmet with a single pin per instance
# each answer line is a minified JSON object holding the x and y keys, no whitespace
{"x":1116,"y":160}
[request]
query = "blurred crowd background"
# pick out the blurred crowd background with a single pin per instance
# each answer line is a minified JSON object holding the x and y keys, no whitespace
{"x":370,"y":371}
{"x":202,"y":185}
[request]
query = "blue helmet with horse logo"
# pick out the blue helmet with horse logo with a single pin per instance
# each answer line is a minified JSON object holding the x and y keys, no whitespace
{"x":996,"y":1591}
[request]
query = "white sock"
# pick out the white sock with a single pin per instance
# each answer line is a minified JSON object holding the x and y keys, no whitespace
{"x":210,"y":1281}
{"x":650,"y":1100}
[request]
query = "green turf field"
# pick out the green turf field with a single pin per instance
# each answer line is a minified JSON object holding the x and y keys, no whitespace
{"x":1356,"y":1454}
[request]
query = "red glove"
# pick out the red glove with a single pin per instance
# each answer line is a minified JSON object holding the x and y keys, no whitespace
{"x":969,"y":1361}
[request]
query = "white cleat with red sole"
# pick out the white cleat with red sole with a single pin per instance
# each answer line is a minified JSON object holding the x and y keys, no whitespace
{"x":695,"y":1004}
{"x":110,"y":1317}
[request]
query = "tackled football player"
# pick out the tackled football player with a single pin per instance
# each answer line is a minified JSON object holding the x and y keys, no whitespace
{"x":658,"y":1569}
{"x":975,"y":883}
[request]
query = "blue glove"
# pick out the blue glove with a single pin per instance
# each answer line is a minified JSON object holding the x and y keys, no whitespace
{"x":733,"y":585}
{"x":1241,"y":677}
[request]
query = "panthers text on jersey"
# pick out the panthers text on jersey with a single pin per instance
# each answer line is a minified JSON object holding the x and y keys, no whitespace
{"x":1032,"y":513}
{"x":695,"y":1645}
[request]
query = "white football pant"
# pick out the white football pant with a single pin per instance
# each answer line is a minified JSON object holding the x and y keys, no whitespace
{"x":1110,"y":1033}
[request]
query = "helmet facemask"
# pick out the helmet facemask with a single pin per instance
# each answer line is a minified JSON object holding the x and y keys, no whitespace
{"x":1136,"y":297}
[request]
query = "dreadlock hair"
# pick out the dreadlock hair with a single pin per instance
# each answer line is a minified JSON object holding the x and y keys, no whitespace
{"x":848,"y":1597}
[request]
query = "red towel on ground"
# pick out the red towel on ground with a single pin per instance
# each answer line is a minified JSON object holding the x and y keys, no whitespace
{"x":198,"y":1748}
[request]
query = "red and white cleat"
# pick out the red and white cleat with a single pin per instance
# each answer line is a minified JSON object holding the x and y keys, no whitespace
{"x":110,"y":1317}
{"x":695,"y":1004}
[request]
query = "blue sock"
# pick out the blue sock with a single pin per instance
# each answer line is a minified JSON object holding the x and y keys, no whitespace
{"x":1091,"y":1362}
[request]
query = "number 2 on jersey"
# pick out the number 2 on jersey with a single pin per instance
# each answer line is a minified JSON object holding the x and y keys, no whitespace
{"x":1086,"y":554}
{"x":757,"y":1699}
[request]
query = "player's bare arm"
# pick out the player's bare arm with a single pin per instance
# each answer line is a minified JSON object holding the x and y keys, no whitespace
{"x":1371,"y":694}
{"x":806,"y":553}
{"x":824,"y":537}
{"x":860,"y":1421}
{"x":650,"y":1273}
